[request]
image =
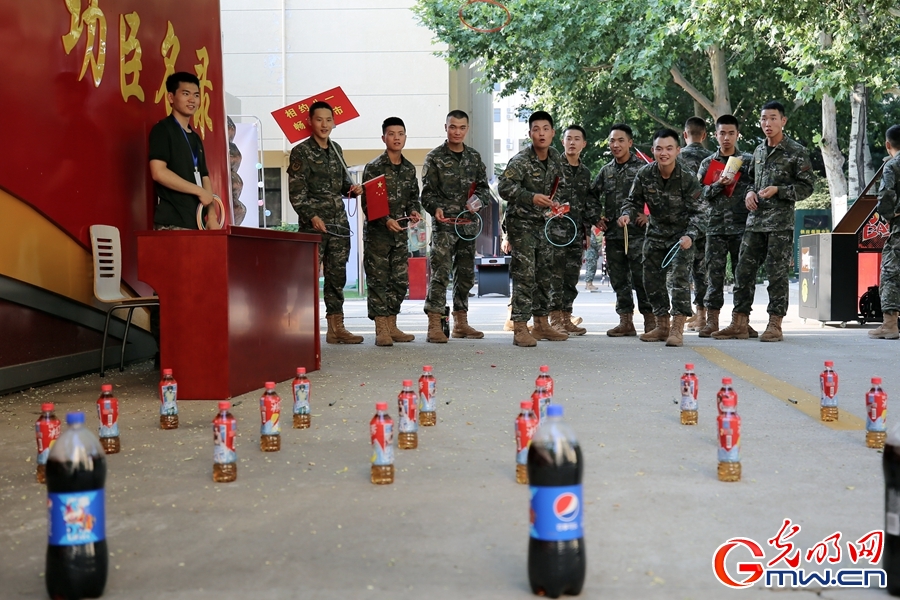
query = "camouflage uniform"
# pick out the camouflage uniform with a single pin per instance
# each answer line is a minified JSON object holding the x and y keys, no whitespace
{"x":676,"y":210}
{"x":446,"y":180}
{"x":727,"y":220}
{"x":317,"y":180}
{"x":692,"y":156}
{"x":566,"y":269}
{"x":386,"y":253}
{"x":591,"y":256}
{"x":770,"y":228}
{"x":532,"y":254}
{"x":889,"y":208}
{"x":610,"y":188}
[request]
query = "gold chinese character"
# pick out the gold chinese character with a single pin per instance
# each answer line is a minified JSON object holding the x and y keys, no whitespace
{"x":202,"y":120}
{"x":290,"y":113}
{"x":169,"y":49}
{"x":298,"y":125}
{"x":96,"y":36}
{"x":302,"y":108}
{"x":338,"y":110}
{"x":127,"y":45}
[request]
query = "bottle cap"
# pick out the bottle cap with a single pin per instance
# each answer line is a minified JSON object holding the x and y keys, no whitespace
{"x":726,"y":381}
{"x":876,"y":380}
{"x":106,"y":387}
{"x":381,"y":406}
{"x":555,"y":410}
{"x":545,"y":369}
{"x":270,"y":385}
{"x":427,"y":368}
{"x":73,"y":418}
{"x":689,"y":367}
{"x":224,"y":405}
{"x":829,"y":363}
{"x":167,"y":372}
{"x":525,"y":404}
{"x":407,"y":383}
{"x":301,"y":370}
{"x":47,"y":407}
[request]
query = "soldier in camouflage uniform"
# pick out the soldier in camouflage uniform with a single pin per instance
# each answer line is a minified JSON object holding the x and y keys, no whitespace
{"x":317,"y":180}
{"x":676,"y":218}
{"x":610,"y":189}
{"x":889,"y":208}
{"x":527,"y":186}
{"x":727,"y":217}
{"x":448,"y":174}
{"x":566,"y":269}
{"x":782,"y":176}
{"x":691,"y":156}
{"x":386,"y":255}
{"x":591,"y":256}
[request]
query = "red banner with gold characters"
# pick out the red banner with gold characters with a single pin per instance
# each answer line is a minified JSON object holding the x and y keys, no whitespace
{"x":85,"y":86}
{"x":294,"y":118}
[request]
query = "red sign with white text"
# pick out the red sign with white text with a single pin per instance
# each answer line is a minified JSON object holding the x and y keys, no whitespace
{"x":294,"y":118}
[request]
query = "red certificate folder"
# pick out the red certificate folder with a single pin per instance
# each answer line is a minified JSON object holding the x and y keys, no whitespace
{"x":714,"y":172}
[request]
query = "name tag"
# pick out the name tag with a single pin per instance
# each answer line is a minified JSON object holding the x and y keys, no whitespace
{"x":197,"y":178}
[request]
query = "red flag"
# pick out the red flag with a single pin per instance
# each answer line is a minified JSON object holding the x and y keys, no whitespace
{"x":376,"y":198}
{"x":554,"y":188}
{"x":646,"y":158}
{"x":294,"y":118}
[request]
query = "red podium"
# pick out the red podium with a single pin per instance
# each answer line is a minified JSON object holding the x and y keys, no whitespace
{"x":238,"y":307}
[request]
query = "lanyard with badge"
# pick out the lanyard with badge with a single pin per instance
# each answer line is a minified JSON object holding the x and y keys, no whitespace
{"x":193,"y":156}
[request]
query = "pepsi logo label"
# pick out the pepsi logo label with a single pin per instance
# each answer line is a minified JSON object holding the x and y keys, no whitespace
{"x":566,"y":507}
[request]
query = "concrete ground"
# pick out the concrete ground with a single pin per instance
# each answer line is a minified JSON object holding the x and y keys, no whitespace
{"x":306,"y":522}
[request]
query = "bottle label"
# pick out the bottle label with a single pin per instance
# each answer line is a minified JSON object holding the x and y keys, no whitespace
{"x":270,"y":413}
{"x":408,"y":422}
{"x":427,"y":394}
{"x":556,"y":513}
{"x":525,"y":427}
{"x":224,"y":432}
{"x":301,"y":398}
{"x":828,"y":389}
{"x":168,"y":393}
{"x":76,"y":518}
{"x":876,"y":409}
{"x":46,"y":431}
{"x":688,"y":393}
{"x":382,"y":433}
{"x":108,"y":411}
{"x":729,"y":439}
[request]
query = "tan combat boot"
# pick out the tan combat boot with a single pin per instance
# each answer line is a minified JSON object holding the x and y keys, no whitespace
{"x":570,"y":326}
{"x":773,"y":330}
{"x":676,"y":333}
{"x":888,"y":329}
{"x":462,"y":329}
{"x":660,"y":333}
{"x":625,"y":328}
{"x":337,"y":334}
{"x":396,"y":334}
{"x":508,"y":326}
{"x":589,"y":286}
{"x":556,"y":321}
{"x":382,"y":332}
{"x":750,"y":331}
{"x":544,"y":331}
{"x":712,"y":324}
{"x":693,"y":318}
{"x":736,"y":331}
{"x":435,"y":331}
{"x":521,"y":337}
{"x":700,"y":322}
{"x":649,"y":321}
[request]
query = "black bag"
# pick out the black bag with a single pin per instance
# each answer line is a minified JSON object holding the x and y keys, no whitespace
{"x":870,"y":306}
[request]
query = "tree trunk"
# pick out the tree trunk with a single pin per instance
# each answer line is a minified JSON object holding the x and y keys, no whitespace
{"x":859,"y":143}
{"x":721,"y":101}
{"x":834,"y":160}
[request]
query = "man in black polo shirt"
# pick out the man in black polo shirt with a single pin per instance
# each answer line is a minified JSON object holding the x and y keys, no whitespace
{"x":177,"y":160}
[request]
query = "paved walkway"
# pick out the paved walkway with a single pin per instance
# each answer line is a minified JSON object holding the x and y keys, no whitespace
{"x":306,"y":523}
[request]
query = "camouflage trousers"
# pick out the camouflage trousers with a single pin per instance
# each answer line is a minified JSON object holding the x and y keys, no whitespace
{"x":626,"y":273}
{"x":565,"y":272}
{"x":387,"y":276}
{"x":591,"y":256}
{"x":775,"y":248}
{"x":698,"y":271}
{"x":450,"y":254}
{"x":889,"y":290}
{"x":334,"y":252}
{"x":532,"y":261}
{"x":677,"y":273}
{"x":718,"y":248}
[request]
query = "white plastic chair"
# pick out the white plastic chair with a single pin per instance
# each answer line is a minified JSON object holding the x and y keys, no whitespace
{"x":107,"y":251}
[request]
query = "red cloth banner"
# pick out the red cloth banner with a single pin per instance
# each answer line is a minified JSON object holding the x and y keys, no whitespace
{"x":294,"y":118}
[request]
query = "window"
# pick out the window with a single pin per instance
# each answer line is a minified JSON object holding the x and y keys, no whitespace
{"x":496,"y":115}
{"x":523,"y":115}
{"x":496,"y":144}
{"x":496,"y":87}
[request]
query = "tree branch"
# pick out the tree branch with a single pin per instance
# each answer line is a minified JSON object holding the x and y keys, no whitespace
{"x":647,"y":112}
{"x":693,"y":92}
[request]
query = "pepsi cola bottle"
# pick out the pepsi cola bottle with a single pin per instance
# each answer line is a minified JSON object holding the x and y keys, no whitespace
{"x":77,"y":555}
{"x":556,"y":557}
{"x":890,"y":463}
{"x":46,"y":431}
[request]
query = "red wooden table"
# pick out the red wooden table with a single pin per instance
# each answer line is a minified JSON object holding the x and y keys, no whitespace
{"x":238,"y":307}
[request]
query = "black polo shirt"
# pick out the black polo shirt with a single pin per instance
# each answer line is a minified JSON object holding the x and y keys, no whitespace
{"x":170,"y":143}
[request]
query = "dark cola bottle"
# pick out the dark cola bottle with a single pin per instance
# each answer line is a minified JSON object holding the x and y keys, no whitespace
{"x":77,"y":555}
{"x":891,"y":464}
{"x":556,"y":556}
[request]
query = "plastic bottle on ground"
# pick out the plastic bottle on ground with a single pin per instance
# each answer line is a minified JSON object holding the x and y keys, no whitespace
{"x":108,"y":411}
{"x":381,"y":432}
{"x":46,"y":430}
{"x":890,"y":462}
{"x":168,"y":401}
{"x":427,"y":398}
{"x":544,"y":380}
{"x":224,"y":455}
{"x":725,"y":390}
{"x":301,"y":389}
{"x":689,"y":390}
{"x":876,"y":409}
{"x":540,"y":400}
{"x":408,"y":423}
{"x":525,"y":426}
{"x":77,"y":554}
{"x":729,"y":438}
{"x":556,"y":549}
{"x":270,"y":416}
{"x":828,"y":388}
